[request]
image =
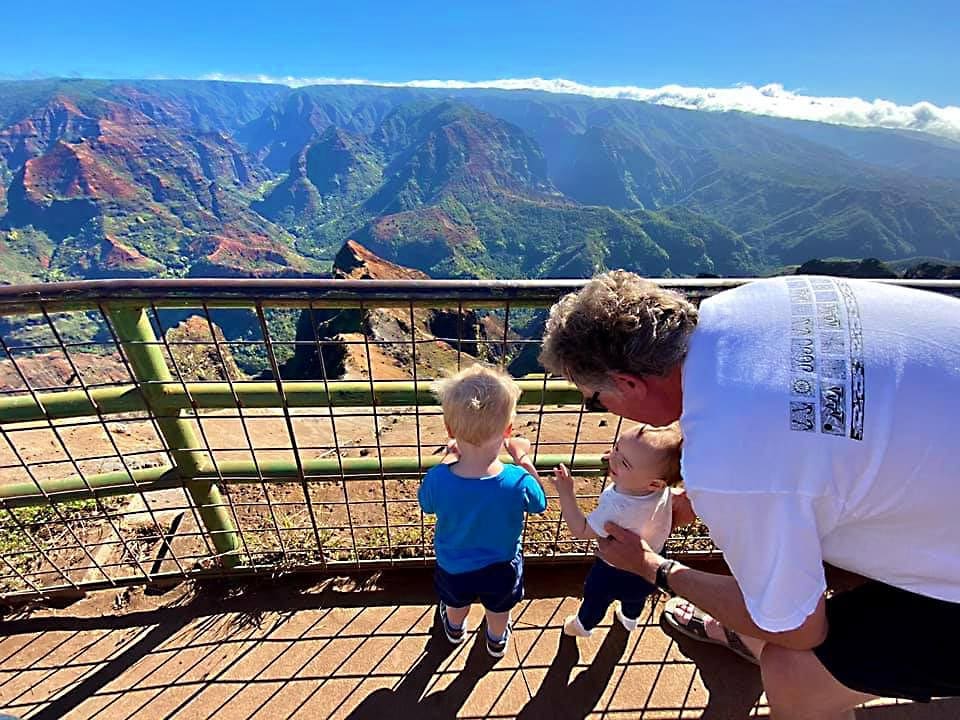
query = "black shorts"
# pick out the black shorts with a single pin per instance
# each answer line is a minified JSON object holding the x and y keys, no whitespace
{"x":498,"y":587}
{"x":893,"y":643}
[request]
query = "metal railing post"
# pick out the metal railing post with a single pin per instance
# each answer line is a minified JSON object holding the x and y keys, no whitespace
{"x":146,"y":360}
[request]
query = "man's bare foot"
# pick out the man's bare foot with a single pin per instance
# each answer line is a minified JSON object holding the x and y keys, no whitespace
{"x":683,"y":611}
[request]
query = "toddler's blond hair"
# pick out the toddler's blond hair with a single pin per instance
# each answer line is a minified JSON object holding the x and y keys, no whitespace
{"x":478,"y":403}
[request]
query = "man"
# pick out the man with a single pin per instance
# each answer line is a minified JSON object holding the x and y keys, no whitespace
{"x":820,"y":425}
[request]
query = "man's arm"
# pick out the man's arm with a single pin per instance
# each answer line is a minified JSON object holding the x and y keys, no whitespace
{"x":718,"y":595}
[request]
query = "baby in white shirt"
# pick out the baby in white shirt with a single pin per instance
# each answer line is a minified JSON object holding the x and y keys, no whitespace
{"x":644,"y":464}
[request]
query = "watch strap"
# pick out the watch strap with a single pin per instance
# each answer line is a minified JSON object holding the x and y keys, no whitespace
{"x":663,"y":576}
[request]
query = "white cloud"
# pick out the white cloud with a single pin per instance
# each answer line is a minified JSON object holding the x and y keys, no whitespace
{"x":771,"y":99}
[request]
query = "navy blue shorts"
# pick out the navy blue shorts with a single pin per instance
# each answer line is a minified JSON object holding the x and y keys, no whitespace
{"x":498,"y":587}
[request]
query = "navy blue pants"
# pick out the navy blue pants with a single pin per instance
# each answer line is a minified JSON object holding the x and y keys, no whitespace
{"x":603,"y":585}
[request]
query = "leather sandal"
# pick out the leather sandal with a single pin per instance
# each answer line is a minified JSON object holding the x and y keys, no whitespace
{"x":695,"y":628}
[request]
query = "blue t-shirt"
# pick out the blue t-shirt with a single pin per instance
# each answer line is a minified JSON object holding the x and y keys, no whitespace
{"x":479,"y":520}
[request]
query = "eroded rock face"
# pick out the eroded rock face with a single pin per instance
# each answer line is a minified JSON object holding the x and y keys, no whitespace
{"x":355,"y":262}
{"x":201,"y":353}
{"x":54,"y":370}
{"x":127,"y":193}
{"x":352,"y":344}
{"x":30,"y":137}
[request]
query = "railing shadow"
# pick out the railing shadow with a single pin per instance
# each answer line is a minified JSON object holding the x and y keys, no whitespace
{"x":559,"y":698}
{"x":250,"y":599}
{"x":242,"y":608}
{"x":232,"y":646}
{"x":114,"y":669}
{"x":406,"y":700}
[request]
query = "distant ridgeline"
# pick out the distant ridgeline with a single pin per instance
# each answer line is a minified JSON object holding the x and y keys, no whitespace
{"x":183,"y":178}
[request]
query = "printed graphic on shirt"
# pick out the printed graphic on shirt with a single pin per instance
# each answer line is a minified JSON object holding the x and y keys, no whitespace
{"x":803,"y":386}
{"x":826,"y":358}
{"x":803,"y":355}
{"x":856,"y":362}
{"x":802,"y":416}
{"x":833,"y":409}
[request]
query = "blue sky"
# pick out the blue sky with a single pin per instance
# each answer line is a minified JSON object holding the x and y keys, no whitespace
{"x":905,"y":52}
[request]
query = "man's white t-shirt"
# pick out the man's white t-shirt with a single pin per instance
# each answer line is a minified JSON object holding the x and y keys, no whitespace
{"x":649,"y":516}
{"x":821,"y":423}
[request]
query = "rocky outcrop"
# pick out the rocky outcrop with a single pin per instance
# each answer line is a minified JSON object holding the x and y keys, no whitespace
{"x":867,"y":268}
{"x":933,"y":271}
{"x":110,"y":258}
{"x":239,"y":253}
{"x":355,"y":262}
{"x":201,"y":353}
{"x":352,"y":344}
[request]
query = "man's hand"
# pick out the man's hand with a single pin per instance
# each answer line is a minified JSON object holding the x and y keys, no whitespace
{"x":518,"y":447}
{"x":682,"y":510}
{"x":717,"y":595}
{"x":628,"y":551}
{"x":563,"y":480}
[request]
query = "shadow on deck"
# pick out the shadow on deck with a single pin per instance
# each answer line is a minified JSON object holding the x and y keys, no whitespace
{"x":364,"y":646}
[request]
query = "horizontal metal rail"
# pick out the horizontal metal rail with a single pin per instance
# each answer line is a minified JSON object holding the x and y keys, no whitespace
{"x":176,"y":396}
{"x":230,"y":472}
{"x":330,"y":293}
{"x":318,"y":293}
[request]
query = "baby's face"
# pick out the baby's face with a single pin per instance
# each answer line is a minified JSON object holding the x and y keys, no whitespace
{"x":634,"y":460}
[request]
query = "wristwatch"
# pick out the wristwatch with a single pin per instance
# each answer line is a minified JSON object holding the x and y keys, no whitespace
{"x":663,"y":574}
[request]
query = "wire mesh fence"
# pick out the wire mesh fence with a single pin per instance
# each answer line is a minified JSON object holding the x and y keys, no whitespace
{"x":167,"y":429}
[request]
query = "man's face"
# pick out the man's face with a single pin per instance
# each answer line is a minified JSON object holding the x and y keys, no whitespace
{"x":650,"y":399}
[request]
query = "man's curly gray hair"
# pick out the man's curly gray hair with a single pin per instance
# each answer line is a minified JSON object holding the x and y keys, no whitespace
{"x":618,"y":322}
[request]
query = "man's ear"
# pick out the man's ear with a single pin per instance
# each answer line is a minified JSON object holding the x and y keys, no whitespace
{"x":628,"y":385}
{"x":509,"y":431}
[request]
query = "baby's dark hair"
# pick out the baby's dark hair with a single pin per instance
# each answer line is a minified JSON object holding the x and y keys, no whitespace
{"x":671,"y":443}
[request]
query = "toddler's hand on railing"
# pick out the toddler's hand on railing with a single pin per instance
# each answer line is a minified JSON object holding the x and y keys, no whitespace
{"x":563,"y":480}
{"x":519,"y":449}
{"x":452,"y":453}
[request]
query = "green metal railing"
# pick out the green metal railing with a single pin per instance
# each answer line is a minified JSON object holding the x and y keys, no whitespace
{"x":136,"y":449}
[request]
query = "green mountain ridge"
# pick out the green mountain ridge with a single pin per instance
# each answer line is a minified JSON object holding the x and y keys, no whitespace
{"x":466,"y":194}
{"x":146,"y":178}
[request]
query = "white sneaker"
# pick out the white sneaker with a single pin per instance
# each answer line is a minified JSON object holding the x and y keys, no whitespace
{"x":629,"y":624}
{"x":573,"y":626}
